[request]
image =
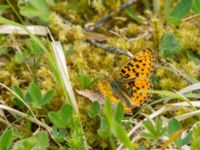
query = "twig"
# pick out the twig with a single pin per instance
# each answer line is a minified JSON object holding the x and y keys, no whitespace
{"x":139,"y":37}
{"x":146,"y":33}
{"x":110,"y":49}
{"x":106,"y":18}
{"x":67,"y":22}
{"x":104,"y":47}
{"x":118,"y":35}
{"x":177,"y":72}
{"x":191,"y":17}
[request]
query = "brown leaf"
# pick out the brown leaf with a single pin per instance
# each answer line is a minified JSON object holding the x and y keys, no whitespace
{"x":96,"y":36}
{"x":92,"y":95}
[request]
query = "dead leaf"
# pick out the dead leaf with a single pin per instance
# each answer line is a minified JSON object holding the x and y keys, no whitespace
{"x":96,"y":36}
{"x":92,"y":95}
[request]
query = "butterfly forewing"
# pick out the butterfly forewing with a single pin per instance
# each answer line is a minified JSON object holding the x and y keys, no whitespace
{"x":140,"y":66}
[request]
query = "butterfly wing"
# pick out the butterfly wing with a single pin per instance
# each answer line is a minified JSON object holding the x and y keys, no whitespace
{"x":107,"y":90}
{"x":140,"y":66}
{"x":135,"y":78}
{"x":139,"y":91}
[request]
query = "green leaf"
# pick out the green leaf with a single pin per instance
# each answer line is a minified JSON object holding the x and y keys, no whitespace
{"x":167,"y":8}
{"x":20,"y":57}
{"x":132,"y":13}
{"x":196,"y":6}
{"x":3,"y":7}
{"x":36,"y":8}
{"x":147,"y":135}
{"x":83,"y":79}
{"x":141,"y":148}
{"x":169,"y":46}
{"x":69,"y":51}
{"x":34,"y":91}
{"x":155,"y":80}
{"x":3,"y":50}
{"x":38,"y":142}
{"x":186,"y":139}
{"x":149,"y":126}
{"x":6,"y":139}
{"x":34,"y":48}
{"x":153,"y":132}
{"x":19,"y":92}
{"x":59,"y":134}
{"x":93,"y":82}
{"x":108,"y":110}
{"x":194,"y":58}
{"x":173,"y":126}
{"x":121,"y":134}
{"x":47,"y":97}
{"x":119,"y":112}
{"x":103,"y":131}
{"x":173,"y":20}
{"x":35,"y":94}
{"x":56,"y":120}
{"x":116,"y":129}
{"x":28,"y":98}
{"x":159,"y":126}
{"x":66,"y":112}
{"x":196,"y":137}
{"x":7,"y":21}
{"x":167,"y":94}
{"x":94,"y":109}
{"x":181,"y":9}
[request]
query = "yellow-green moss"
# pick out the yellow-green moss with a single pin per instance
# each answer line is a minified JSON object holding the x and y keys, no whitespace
{"x":98,"y":62}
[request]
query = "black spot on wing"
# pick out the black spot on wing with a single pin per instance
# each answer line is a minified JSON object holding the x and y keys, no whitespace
{"x":123,"y":71}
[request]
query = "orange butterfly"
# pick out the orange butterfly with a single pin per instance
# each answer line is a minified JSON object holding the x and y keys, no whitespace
{"x":135,"y":76}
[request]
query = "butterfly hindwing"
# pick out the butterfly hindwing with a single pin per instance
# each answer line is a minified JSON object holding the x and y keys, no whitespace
{"x":139,"y":88}
{"x":107,"y":90}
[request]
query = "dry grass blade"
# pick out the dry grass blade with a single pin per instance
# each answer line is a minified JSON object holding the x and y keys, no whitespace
{"x":35,"y":30}
{"x":181,"y":104}
{"x":61,"y":62}
{"x":186,"y":100}
{"x":190,"y":88}
{"x":36,"y":121}
{"x":190,"y":114}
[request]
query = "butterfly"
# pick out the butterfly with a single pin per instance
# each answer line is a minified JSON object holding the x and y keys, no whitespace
{"x":134,"y":77}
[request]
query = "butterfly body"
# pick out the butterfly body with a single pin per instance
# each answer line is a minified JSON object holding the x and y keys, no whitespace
{"x":134,"y":81}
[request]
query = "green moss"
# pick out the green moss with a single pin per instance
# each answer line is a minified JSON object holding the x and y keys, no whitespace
{"x":97,"y":62}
